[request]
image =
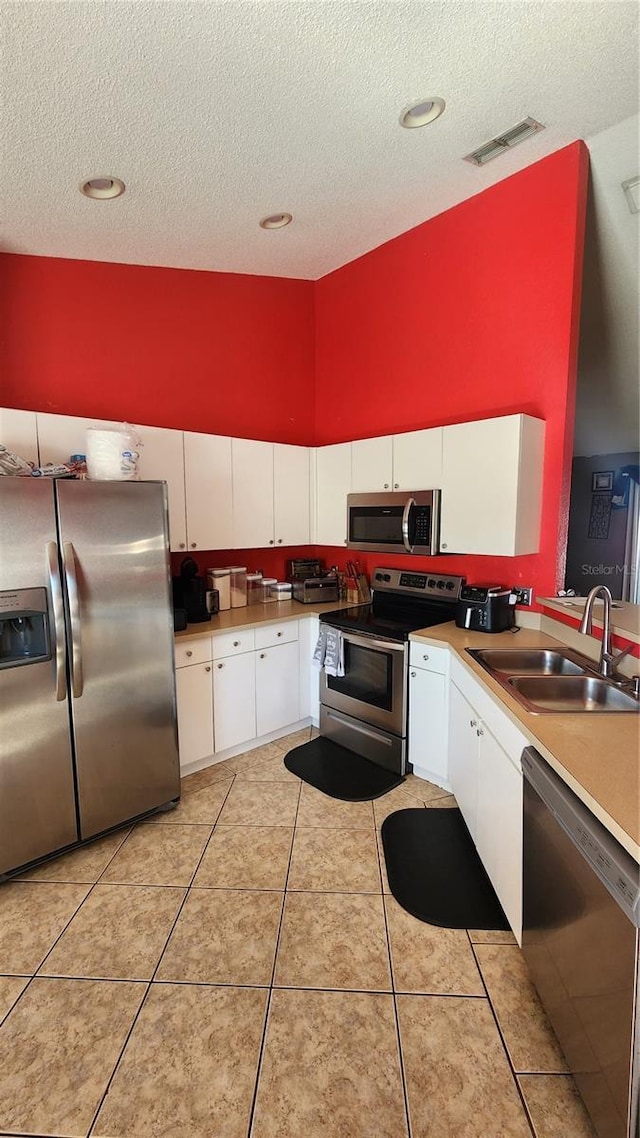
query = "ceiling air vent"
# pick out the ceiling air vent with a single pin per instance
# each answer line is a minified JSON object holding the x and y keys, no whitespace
{"x":504,"y":142}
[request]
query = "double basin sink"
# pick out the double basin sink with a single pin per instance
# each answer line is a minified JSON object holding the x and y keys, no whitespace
{"x":551,"y":680}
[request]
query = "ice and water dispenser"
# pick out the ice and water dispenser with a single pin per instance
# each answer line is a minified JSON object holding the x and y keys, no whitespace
{"x":24,"y":627}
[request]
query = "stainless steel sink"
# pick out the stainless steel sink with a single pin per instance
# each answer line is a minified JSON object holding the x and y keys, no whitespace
{"x":529,"y":661}
{"x":571,"y":693}
{"x":548,"y":680}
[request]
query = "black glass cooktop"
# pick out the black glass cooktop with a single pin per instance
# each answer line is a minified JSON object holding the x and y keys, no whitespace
{"x":395,"y":621}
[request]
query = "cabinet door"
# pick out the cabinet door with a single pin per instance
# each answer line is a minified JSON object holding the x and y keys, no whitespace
{"x":18,"y":433}
{"x":492,"y":485}
{"x":252,"y":494}
{"x":234,"y":701}
{"x":371,"y":464}
{"x":291,"y":494}
{"x":417,"y":460}
{"x":333,"y":483}
{"x":428,"y":725}
{"x":277,"y":680}
{"x":162,"y":457}
{"x":195,"y":713}
{"x":309,"y":675}
{"x":60,"y":436}
{"x":463,"y":755}
{"x":207,"y":472}
{"x":499,"y":825}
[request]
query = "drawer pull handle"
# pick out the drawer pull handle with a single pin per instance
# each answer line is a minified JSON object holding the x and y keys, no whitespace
{"x":262,"y":655}
{"x":386,"y":485}
{"x":396,"y":486}
{"x":271,"y":542}
{"x":279,"y":541}
{"x":413,"y":675}
{"x":473,"y":722}
{"x":236,"y":644}
{"x":193,"y":544}
{"x":279,"y":634}
{"x":479,"y":731}
{"x":425,"y":657}
{"x":189,"y":653}
{"x":208,"y":668}
{"x":221,"y":665}
{"x":182,"y":545}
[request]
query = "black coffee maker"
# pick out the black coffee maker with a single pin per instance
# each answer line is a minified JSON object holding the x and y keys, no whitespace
{"x":190,"y":594}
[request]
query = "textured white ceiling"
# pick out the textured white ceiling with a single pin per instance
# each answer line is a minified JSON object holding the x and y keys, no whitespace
{"x":218,"y":112}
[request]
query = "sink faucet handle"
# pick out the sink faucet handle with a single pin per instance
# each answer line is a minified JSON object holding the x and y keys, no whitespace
{"x":617,"y":656}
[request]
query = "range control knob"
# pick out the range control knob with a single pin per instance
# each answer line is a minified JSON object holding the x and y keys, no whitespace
{"x":441,"y":584}
{"x":450,"y":585}
{"x":379,"y":577}
{"x":431,"y":583}
{"x":387,"y":577}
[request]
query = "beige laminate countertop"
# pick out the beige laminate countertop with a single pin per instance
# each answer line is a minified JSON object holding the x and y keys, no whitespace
{"x":625,"y":617}
{"x":597,"y":754}
{"x":274,"y":612}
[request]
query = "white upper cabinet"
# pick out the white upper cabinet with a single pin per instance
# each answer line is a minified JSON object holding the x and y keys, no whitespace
{"x":207,"y":471}
{"x":18,"y":433}
{"x":252,"y":463}
{"x":60,"y":436}
{"x":417,"y":460}
{"x":333,"y":483}
{"x":492,"y":486}
{"x":411,"y":461}
{"x":372,"y":465}
{"x":291,"y":466}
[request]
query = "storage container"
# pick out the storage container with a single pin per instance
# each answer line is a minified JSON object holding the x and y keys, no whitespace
{"x":267,"y":582}
{"x":281,"y":591}
{"x":254,"y":588}
{"x":238,"y":586}
{"x":220,"y":579}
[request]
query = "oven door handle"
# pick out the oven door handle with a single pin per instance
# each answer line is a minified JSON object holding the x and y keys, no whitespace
{"x":372,"y":642}
{"x":405,"y":524}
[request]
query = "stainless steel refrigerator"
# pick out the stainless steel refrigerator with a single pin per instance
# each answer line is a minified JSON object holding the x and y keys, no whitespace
{"x":88,"y":735}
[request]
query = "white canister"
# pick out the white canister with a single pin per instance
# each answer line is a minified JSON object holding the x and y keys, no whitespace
{"x":220,"y":579}
{"x":267,"y":582}
{"x":281,"y":591}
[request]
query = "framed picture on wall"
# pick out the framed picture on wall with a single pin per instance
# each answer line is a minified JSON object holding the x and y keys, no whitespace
{"x":601,"y":480}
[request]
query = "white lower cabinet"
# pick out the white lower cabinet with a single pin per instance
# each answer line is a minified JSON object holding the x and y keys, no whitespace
{"x":234,"y":700}
{"x":428,"y":701}
{"x":277,"y":687}
{"x":309,"y":674}
{"x":195,"y":713}
{"x":463,"y":756}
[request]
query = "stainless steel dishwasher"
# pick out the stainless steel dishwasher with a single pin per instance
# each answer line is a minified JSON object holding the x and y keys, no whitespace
{"x":580,"y":940}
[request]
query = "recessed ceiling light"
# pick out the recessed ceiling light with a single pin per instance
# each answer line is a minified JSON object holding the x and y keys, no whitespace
{"x":276,"y":221}
{"x":101,"y":189}
{"x":422,"y":112}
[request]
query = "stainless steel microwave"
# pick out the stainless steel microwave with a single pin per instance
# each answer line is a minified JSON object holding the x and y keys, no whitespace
{"x":402,"y":522}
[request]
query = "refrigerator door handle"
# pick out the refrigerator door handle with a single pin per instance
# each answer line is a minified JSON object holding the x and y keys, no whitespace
{"x":73,"y":595}
{"x":57,"y":606}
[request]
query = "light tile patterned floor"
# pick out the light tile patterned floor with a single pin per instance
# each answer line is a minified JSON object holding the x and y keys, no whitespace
{"x":238,"y":969}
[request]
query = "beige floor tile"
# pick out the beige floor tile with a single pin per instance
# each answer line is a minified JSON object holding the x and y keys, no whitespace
{"x":268,"y":769}
{"x":527,"y":1033}
{"x":427,"y":958}
{"x":317,"y":809}
{"x":556,"y":1109}
{"x":398,"y":799}
{"x":260,"y":804}
{"x":58,"y":1048}
{"x":198,"y":807}
{"x":295,"y":739}
{"x":32,"y":916}
{"x":158,"y":855}
{"x":424,"y":790}
{"x":458,"y":1077}
{"x":330,"y":1068}
{"x":84,"y":864}
{"x":333,"y":940}
{"x":246,"y":857}
{"x":10,"y":989}
{"x":118,"y":934}
{"x":224,"y":936}
{"x":446,"y":803}
{"x":491,"y":936}
{"x":217,"y":772}
{"x":335,"y":860}
{"x":383,"y":865}
{"x":189,"y":1067}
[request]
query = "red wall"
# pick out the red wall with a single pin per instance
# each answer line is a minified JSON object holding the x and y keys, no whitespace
{"x":215,"y":352}
{"x":472,"y":314}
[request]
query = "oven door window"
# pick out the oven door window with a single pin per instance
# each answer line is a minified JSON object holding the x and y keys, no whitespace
{"x":368,"y":676}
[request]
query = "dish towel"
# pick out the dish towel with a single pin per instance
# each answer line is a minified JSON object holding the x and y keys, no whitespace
{"x":329,"y":651}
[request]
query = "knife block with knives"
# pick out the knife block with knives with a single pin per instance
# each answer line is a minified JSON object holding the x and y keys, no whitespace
{"x":358,"y":591}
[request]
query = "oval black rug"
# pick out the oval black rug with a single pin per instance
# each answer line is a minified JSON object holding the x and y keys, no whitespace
{"x":338,"y":772}
{"x":435,"y":872}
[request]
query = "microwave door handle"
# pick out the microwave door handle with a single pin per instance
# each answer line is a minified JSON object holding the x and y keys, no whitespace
{"x":73,"y":597}
{"x":57,"y":608}
{"x":405,"y":524}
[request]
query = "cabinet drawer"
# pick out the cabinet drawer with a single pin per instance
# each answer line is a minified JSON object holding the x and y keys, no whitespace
{"x":430,"y":658}
{"x":192,"y":651}
{"x":232,"y":643}
{"x":273,"y":634}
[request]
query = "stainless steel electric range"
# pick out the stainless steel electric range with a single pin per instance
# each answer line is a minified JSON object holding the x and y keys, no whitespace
{"x":366,"y":709}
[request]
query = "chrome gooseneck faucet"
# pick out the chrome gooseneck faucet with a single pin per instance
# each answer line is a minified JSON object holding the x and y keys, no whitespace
{"x":608,"y":659}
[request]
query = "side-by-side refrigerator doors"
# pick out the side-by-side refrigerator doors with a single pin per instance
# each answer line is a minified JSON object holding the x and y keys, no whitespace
{"x":122,"y":690}
{"x":37,"y":801}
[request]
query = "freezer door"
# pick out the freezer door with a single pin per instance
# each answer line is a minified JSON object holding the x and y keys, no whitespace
{"x":37,"y":801}
{"x":117,"y":578}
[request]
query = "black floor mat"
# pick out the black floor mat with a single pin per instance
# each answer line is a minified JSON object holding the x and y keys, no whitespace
{"x":338,"y":772}
{"x":435,"y":873}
